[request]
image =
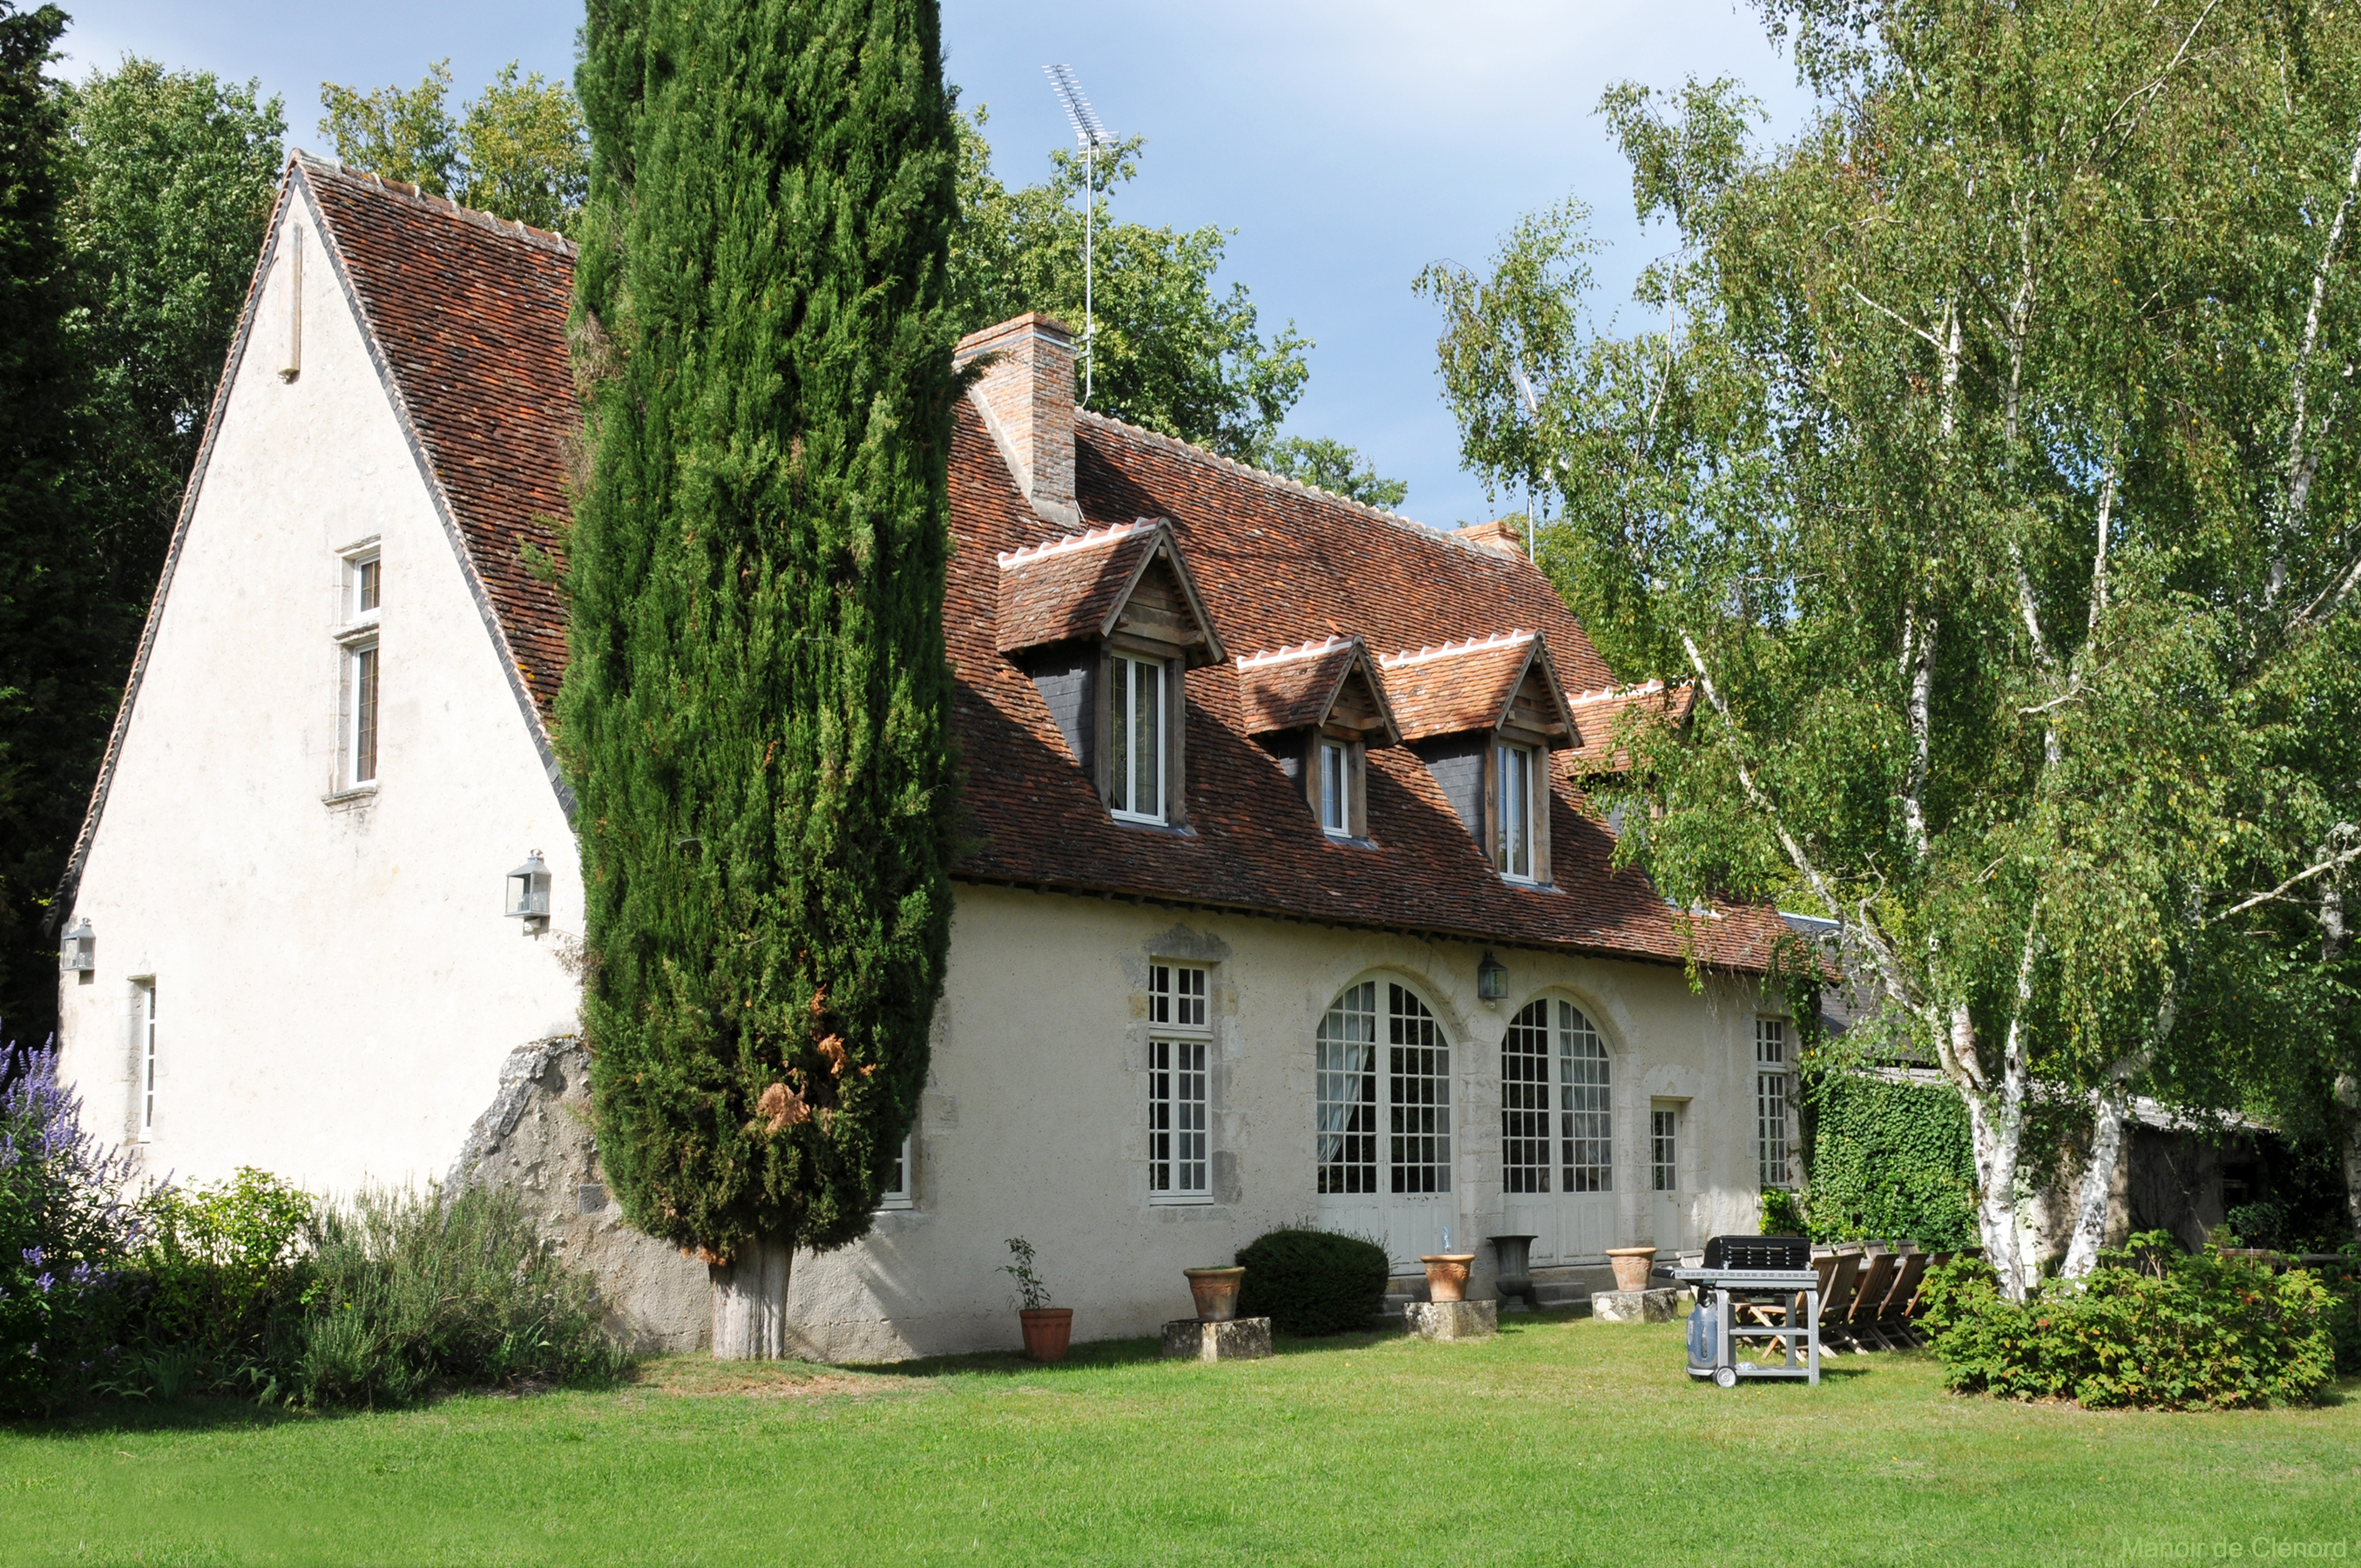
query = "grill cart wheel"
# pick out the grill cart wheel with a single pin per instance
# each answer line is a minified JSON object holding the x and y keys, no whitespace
{"x":1725,"y":1376}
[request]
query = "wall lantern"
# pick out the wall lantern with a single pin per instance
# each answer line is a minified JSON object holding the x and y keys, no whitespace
{"x":1492,"y":980}
{"x":528,"y":898}
{"x":79,"y":953}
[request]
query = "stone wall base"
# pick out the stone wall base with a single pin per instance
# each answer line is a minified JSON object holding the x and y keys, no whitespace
{"x":1452,"y":1320}
{"x":1660,"y":1306}
{"x":1240,"y":1339}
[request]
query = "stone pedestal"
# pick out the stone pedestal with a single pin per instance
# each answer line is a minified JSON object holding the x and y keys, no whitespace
{"x":1635,"y":1306}
{"x":1452,"y":1320}
{"x":1240,"y":1339}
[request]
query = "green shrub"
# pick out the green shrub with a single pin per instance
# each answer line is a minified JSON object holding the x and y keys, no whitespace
{"x":1313,"y":1282}
{"x":1782,"y":1216}
{"x":406,"y":1291}
{"x":2151,"y":1326}
{"x":219,"y":1260}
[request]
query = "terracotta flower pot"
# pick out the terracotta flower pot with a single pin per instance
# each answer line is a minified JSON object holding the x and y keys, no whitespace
{"x":1216,"y":1290}
{"x":1446,"y":1274}
{"x":1631,"y":1265}
{"x":1046,"y":1332}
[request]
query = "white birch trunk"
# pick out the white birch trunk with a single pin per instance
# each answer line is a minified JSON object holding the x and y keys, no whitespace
{"x":2349,"y":1102}
{"x":2111,"y":1104}
{"x":1996,"y":1137}
{"x":750,"y":1302}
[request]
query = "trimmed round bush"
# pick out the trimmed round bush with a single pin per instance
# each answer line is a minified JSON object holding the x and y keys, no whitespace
{"x":1313,"y":1282}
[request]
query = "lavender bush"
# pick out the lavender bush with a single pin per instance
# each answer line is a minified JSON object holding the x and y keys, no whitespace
{"x":66,"y":1231}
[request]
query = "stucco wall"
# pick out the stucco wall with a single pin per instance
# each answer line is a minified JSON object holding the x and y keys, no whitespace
{"x":336,"y":984}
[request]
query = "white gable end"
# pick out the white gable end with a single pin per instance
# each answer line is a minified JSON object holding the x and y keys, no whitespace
{"x":334,"y":982}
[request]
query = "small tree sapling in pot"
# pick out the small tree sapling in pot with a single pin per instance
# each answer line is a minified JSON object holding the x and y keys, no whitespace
{"x":1047,"y":1329}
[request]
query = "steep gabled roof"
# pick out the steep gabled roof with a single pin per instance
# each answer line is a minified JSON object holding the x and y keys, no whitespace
{"x":1292,"y":688}
{"x":1473,"y":684}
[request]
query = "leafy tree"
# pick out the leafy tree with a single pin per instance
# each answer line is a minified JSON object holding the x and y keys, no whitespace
{"x":520,"y":149}
{"x":1987,"y":479}
{"x":170,"y":180}
{"x":1334,"y":467}
{"x":756,"y":709}
{"x":57,"y":628}
{"x":1171,"y":354}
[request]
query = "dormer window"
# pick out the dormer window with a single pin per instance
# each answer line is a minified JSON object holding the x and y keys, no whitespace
{"x":1318,"y":709}
{"x":1108,"y":624}
{"x":1336,"y":788}
{"x":1513,"y":849}
{"x":1484,"y":716}
{"x":1135,"y":738}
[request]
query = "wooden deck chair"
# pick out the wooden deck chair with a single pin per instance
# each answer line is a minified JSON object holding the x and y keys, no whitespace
{"x":1918,"y":1302}
{"x":1836,"y":1296}
{"x":1868,"y":1300}
{"x":1892,"y":1322}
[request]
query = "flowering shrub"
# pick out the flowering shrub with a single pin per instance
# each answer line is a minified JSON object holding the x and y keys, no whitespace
{"x":2151,"y":1326}
{"x":66,"y":1234}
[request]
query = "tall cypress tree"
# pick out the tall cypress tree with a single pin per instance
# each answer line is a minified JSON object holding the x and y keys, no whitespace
{"x":756,"y":713}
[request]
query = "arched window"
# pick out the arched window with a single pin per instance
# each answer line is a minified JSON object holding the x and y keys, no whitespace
{"x":1586,"y":1128}
{"x":1415,"y":1115}
{"x":1347,"y":1071}
{"x":1525,"y":1160}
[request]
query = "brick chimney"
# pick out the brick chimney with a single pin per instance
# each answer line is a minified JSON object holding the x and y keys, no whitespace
{"x":1504,"y":534}
{"x":1026,"y":394}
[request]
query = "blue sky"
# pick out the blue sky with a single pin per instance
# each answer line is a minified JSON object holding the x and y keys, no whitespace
{"x":1348,"y":144}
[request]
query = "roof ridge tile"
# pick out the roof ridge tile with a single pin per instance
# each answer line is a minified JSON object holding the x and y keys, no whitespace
{"x":1114,"y":533}
{"x":507,"y":228}
{"x":1457,"y":650}
{"x":1301,"y":650}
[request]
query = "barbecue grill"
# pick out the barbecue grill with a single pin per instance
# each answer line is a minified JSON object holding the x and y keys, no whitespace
{"x":1773,"y":1275}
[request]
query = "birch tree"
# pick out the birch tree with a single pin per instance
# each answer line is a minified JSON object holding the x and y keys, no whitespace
{"x":1988,"y":477}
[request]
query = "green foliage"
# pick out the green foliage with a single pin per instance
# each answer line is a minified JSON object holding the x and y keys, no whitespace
{"x":1171,"y":354}
{"x":756,"y":709}
{"x":2150,"y":1326}
{"x":219,"y":1260}
{"x":172,"y":177}
{"x":1032,"y":1290}
{"x":1333,"y":466}
{"x":519,"y":149}
{"x":1313,"y":1282}
{"x":58,"y":631}
{"x":1890,"y":1159}
{"x":1783,"y":1215}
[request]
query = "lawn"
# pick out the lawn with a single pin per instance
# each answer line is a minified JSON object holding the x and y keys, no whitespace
{"x":1563,"y":1440}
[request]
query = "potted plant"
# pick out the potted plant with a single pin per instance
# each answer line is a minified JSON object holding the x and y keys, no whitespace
{"x":1048,"y":1329}
{"x":1446,"y":1274}
{"x":1216,"y":1292}
{"x":1631,"y":1265}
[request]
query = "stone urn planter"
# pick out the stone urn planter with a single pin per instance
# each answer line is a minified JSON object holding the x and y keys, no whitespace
{"x":1631,"y":1265}
{"x":1047,"y":1331}
{"x":1446,"y":1274}
{"x":1516,"y":1254}
{"x":1216,"y":1291}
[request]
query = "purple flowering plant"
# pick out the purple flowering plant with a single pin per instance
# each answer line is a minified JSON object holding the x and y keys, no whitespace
{"x":66,"y":1231}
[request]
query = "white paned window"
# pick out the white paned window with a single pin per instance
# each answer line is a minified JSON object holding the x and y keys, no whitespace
{"x":901,"y":1192}
{"x":1346,"y":1079}
{"x":1525,"y":1101}
{"x":1178,"y":1166}
{"x":1179,"y":1099}
{"x":358,"y":700}
{"x":1335,"y":790}
{"x":1771,"y":1066}
{"x":146,"y":1021}
{"x":1417,"y":1072}
{"x":1663,"y":1151}
{"x":1176,"y":996}
{"x":1586,"y":1126}
{"x":1512,"y":852}
{"x":1136,"y":736}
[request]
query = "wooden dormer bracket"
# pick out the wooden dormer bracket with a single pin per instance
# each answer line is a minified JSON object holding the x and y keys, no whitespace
{"x":1537,"y":712}
{"x":1159,"y":605}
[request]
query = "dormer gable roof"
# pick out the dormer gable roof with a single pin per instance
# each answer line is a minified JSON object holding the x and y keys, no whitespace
{"x":1096,"y":584}
{"x":1598,"y":713}
{"x":1503,"y":682}
{"x":1311,"y":684}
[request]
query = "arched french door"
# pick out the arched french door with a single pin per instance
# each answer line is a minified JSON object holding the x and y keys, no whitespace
{"x":1557,"y":1133}
{"x":1383,"y":1150}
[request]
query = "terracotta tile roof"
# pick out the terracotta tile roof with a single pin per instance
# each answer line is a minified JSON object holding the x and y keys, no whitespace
{"x":1288,"y":688}
{"x":469,"y":315}
{"x":1465,"y":686}
{"x":1076,"y":586}
{"x":1598,"y":714}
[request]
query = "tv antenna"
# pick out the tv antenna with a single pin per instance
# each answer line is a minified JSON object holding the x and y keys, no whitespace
{"x":1090,"y":135}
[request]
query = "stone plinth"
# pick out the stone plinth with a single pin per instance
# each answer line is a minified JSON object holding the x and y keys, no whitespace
{"x":1635,"y":1306}
{"x":1452,"y":1320}
{"x":1241,"y":1339}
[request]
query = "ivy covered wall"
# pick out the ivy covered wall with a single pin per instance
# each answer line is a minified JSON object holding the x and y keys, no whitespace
{"x":1888,"y":1159}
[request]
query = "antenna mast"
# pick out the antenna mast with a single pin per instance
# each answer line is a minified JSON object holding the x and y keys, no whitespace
{"x":1089,"y":135}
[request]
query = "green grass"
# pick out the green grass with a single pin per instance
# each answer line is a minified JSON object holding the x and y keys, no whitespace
{"x":1563,"y":1440}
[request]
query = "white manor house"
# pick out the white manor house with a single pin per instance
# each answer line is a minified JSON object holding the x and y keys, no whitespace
{"x":1284,"y":901}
